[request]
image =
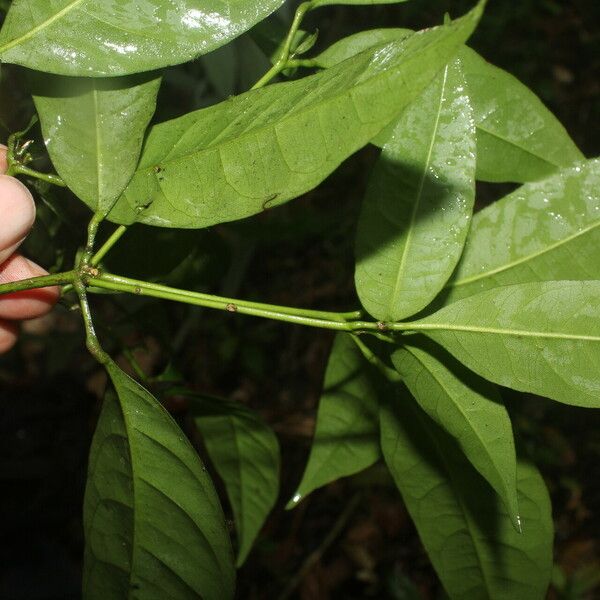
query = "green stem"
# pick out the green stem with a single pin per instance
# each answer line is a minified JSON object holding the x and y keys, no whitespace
{"x":310,"y":318}
{"x":18,"y":169}
{"x":91,"y":237}
{"x":38,"y":282}
{"x":375,"y":361}
{"x":284,"y":55}
{"x":91,"y":339}
{"x":304,"y":63}
{"x":107,"y":246}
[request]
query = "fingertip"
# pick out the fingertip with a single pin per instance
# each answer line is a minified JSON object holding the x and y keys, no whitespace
{"x":27,"y":304}
{"x":8,"y":336}
{"x":17,"y":213}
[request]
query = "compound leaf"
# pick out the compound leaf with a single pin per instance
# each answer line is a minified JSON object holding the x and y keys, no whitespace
{"x":346,"y":438}
{"x":94,"y":130}
{"x":466,"y":531}
{"x":418,"y":207}
{"x":267,"y":146}
{"x":89,"y":38}
{"x":541,"y":337}
{"x":245,"y":454}
{"x":546,"y":230}
{"x":153,"y":524}
{"x":470,"y":409}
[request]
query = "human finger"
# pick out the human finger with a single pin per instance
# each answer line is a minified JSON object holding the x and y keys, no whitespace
{"x":8,"y":336}
{"x":28,"y":304}
{"x":17,"y":214}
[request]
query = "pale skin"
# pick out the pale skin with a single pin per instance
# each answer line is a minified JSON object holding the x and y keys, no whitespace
{"x":17,"y":214}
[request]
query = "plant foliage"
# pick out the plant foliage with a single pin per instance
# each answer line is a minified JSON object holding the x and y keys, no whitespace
{"x":453,"y":303}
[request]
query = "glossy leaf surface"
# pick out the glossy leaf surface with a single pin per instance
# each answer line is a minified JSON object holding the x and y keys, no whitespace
{"x":470,"y":409}
{"x":359,"y":42}
{"x":464,"y":527}
{"x":542,"y":338}
{"x":245,"y":454}
{"x":267,"y":146}
{"x":518,"y":138}
{"x":418,"y":207}
{"x":546,"y":230}
{"x":152,"y":520}
{"x":120,"y":37}
{"x":346,"y":439}
{"x":94,"y":129}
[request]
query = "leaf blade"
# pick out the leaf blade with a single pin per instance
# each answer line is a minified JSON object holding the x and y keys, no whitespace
{"x":471,"y":542}
{"x":418,"y":207}
{"x":468,"y":408}
{"x":245,"y":453}
{"x":152,"y":519}
{"x":267,"y":146}
{"x":540,"y":337}
{"x":95,"y":161}
{"x":546,"y":230}
{"x":102,"y":39}
{"x":346,"y":435}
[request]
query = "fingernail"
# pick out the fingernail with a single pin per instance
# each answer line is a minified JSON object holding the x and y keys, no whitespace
{"x":17,"y":211}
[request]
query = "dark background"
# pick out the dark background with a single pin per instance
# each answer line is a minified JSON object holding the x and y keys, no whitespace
{"x":353,"y":539}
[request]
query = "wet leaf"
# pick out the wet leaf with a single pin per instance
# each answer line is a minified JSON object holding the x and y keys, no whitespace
{"x":465,"y":529}
{"x":418,"y":207}
{"x":547,"y":230}
{"x":152,"y":520}
{"x":359,"y":42}
{"x":346,"y":438}
{"x":542,"y":338}
{"x":120,"y":37}
{"x":470,"y":409}
{"x":94,"y":129}
{"x":518,"y":138}
{"x":267,"y":146}
{"x":245,"y":453}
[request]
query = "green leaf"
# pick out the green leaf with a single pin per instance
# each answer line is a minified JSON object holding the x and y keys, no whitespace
{"x":470,"y":409}
{"x":346,"y":439}
{"x":359,"y":42}
{"x":542,"y":338}
{"x":546,"y":230}
{"x":319,"y":3}
{"x":418,"y":207}
{"x":518,"y":138}
{"x":465,"y":529}
{"x":152,"y":520}
{"x":267,"y":146}
{"x":120,"y":37}
{"x":245,"y":453}
{"x":94,"y":130}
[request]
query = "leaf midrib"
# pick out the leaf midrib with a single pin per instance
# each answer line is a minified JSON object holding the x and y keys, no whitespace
{"x":498,"y":331}
{"x":35,"y":30}
{"x":523,"y":259}
{"x":417,"y":204}
{"x":456,"y":489}
{"x":462,"y":412}
{"x":270,"y":125}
